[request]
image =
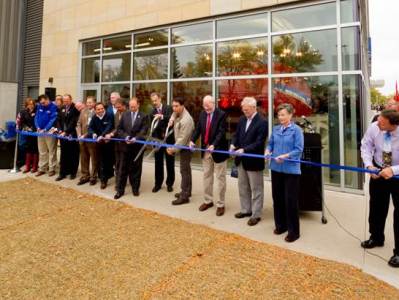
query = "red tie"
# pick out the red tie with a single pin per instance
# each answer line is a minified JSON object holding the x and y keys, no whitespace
{"x":208,"y":129}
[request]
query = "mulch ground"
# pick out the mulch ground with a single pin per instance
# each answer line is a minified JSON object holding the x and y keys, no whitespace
{"x":58,"y":243}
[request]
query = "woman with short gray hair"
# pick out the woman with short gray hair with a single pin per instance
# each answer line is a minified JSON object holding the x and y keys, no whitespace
{"x":286,"y":142}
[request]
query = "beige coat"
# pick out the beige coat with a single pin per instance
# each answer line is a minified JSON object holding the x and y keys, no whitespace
{"x":82,"y":126}
{"x":183,"y":128}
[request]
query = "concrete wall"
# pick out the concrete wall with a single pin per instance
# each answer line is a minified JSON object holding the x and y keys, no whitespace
{"x":65,"y":22}
{"x":8,"y":102}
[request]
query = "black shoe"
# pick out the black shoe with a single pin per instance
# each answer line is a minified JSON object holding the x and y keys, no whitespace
{"x":370,"y":244}
{"x":83,"y":181}
{"x":156,"y":189}
{"x":136,"y":193}
{"x":60,"y":177}
{"x":177,"y":195}
{"x":279,"y":231}
{"x":394,"y":261}
{"x":291,"y":238}
{"x":103,"y":185}
{"x":170,"y":188}
{"x":241,"y":215}
{"x":93,"y":181}
{"x":180,"y":201}
{"x":118,"y":195}
{"x":253,"y":221}
{"x":72,"y":176}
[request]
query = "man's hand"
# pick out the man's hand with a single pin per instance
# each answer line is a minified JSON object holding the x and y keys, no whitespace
{"x":192,"y":144}
{"x":108,"y":136}
{"x":100,"y":138}
{"x":211,"y":148}
{"x":158,"y":116}
{"x":62,"y":134}
{"x":267,"y":153}
{"x":280,"y":159}
{"x":82,"y":136}
{"x":239,"y":151}
{"x":374,"y":176}
{"x":386,"y":173}
{"x":232,"y":148}
{"x":170,"y":151}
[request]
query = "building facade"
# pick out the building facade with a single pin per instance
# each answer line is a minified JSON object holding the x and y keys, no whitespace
{"x":312,"y":54}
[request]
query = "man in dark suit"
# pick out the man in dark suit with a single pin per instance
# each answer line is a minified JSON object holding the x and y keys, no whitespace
{"x":67,"y":120}
{"x":162,"y":112}
{"x":212,"y":129}
{"x":100,"y":125}
{"x":250,"y":137}
{"x":133,"y":126}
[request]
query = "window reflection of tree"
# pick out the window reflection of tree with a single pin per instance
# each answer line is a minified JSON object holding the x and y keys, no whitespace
{"x":201,"y":66}
{"x":150,"y":65}
{"x":292,"y":56}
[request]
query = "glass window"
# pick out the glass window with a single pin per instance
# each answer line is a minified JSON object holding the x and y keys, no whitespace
{"x":242,"y":57}
{"x":317,"y":99}
{"x":122,"y":89}
{"x":351,"y":87}
{"x":116,"y":67}
{"x":230,"y":93}
{"x":192,"y":61}
{"x":91,"y":48}
{"x":349,"y":11}
{"x":192,"y":92}
{"x":254,"y":24}
{"x":192,"y":33}
{"x":90,"y":70}
{"x":304,"y":17}
{"x":151,"y":64}
{"x":143,"y":92}
{"x":305,"y":52}
{"x":350,"y":48}
{"x":151,"y":39}
{"x":121,"y":43}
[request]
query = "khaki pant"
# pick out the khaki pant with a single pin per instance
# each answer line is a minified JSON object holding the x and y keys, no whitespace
{"x":88,"y":153}
{"x":250,"y":189}
{"x":47,"y":153}
{"x":210,"y":169}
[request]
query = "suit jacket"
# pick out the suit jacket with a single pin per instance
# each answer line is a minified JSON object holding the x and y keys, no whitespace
{"x":252,"y":141}
{"x":217,"y":134}
{"x":67,"y":120}
{"x":159,"y":131}
{"x":82,"y":127}
{"x":138,"y":131}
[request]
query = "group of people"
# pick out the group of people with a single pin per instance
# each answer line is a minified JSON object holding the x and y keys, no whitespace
{"x":173,"y":125}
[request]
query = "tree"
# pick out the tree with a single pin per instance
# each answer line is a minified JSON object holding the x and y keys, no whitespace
{"x":377,"y":98}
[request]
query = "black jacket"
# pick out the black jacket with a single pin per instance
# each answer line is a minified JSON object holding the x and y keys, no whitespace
{"x":138,"y":131}
{"x":67,"y":120}
{"x":159,"y":131}
{"x":252,"y":141}
{"x":217,"y":135}
{"x":101,"y":127}
{"x":27,"y":120}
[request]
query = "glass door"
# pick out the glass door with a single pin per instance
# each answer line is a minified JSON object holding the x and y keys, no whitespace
{"x":90,"y":90}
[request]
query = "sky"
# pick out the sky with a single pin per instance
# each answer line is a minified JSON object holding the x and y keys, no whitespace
{"x":384,"y":32}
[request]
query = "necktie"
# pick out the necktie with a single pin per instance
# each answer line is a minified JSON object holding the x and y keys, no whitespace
{"x":133,"y":118}
{"x":207,"y":129}
{"x":247,"y":125}
{"x":387,"y":150}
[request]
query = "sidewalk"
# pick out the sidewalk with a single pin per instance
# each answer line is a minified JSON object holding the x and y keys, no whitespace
{"x":327,"y":241}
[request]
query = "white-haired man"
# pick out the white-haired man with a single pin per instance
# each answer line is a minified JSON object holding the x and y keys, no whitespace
{"x":212,"y":129}
{"x":113,"y":98}
{"x":250,"y":137}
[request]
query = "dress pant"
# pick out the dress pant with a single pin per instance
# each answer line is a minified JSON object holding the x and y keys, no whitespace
{"x":212,"y":169}
{"x":69,"y":160}
{"x":118,"y":158}
{"x":88,"y":153}
{"x":250,"y":189}
{"x":129,"y":168}
{"x":285,"y":192}
{"x":47,"y":153}
{"x":159,"y":169}
{"x":185,"y":172}
{"x":381,"y":191}
{"x":105,"y":160}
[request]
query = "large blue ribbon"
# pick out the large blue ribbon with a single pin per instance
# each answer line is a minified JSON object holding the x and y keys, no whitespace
{"x":182,"y":147}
